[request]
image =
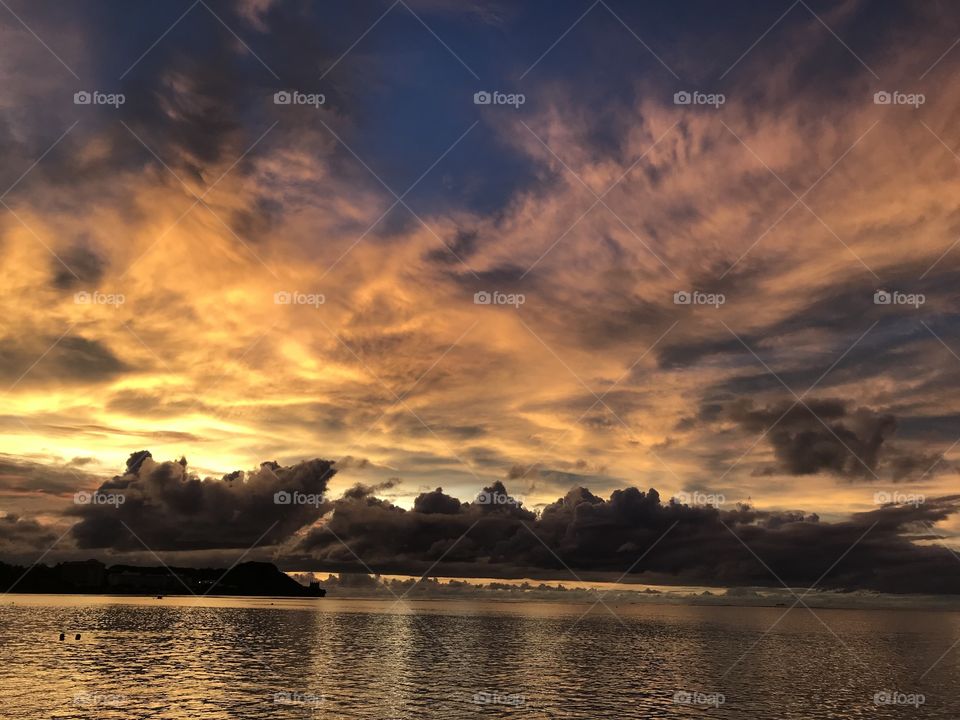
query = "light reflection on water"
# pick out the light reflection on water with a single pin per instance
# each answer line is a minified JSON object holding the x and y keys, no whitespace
{"x":335,"y":658}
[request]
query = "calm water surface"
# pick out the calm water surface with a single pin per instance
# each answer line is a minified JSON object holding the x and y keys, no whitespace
{"x":258,"y":658}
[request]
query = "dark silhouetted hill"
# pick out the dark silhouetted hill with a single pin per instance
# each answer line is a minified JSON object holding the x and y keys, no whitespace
{"x":93,"y":577}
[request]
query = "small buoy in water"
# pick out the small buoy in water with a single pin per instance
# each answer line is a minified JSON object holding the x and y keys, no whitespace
{"x":77,"y":636}
{"x":63,"y":636}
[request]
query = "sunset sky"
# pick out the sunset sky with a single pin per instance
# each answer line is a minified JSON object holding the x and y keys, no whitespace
{"x":147,"y":247}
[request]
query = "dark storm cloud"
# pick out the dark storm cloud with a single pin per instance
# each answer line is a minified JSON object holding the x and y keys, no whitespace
{"x":826,"y":435}
{"x":484,"y":457}
{"x":460,"y":249}
{"x":938,"y":428}
{"x":19,"y":536}
{"x":620,"y":317}
{"x":360,"y":491}
{"x":604,"y":315}
{"x":171,"y":509}
{"x":436,"y":502}
{"x":68,"y":359}
{"x":412,"y":426}
{"x":550,"y":480}
{"x":155,"y":404}
{"x":63,"y":425}
{"x":494,"y":535}
{"x":77,"y":266}
{"x":819,"y":435}
{"x":349,"y":462}
{"x":843,"y":313}
{"x":19,"y":475}
{"x":589,"y":534}
{"x":690,"y":352}
{"x":255,"y":222}
{"x":182,"y":100}
{"x":198,"y":101}
{"x":430,"y":530}
{"x":518,"y":471}
{"x":906,"y":465}
{"x":196,"y":98}
{"x":507,"y":278}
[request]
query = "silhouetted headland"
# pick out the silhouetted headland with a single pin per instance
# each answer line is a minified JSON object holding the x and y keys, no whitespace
{"x":92,"y":577}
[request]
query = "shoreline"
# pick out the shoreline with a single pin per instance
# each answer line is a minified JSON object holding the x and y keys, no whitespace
{"x":919,"y":604}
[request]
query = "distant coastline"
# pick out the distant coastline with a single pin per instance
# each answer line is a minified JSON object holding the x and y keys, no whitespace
{"x":92,"y":577}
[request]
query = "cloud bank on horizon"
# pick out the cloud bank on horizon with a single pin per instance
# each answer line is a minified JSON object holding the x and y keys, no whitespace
{"x":285,"y":514}
{"x":449,"y":253}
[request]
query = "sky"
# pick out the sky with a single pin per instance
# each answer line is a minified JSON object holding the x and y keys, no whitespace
{"x":702,"y":251}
